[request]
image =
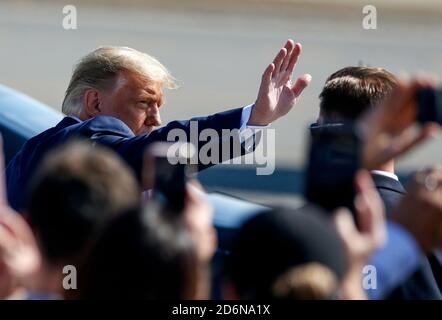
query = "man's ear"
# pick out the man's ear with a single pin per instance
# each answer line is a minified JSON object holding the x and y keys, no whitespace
{"x":91,"y":102}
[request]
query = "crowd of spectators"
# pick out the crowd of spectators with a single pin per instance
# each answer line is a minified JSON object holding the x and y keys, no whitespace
{"x":76,"y":196}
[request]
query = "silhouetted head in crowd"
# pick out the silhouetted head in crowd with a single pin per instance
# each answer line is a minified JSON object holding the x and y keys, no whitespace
{"x":75,"y":190}
{"x":148,"y":254}
{"x":288,"y":254}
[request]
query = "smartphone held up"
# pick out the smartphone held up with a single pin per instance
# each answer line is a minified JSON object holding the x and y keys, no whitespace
{"x":429,"y":102}
{"x":168,"y":167}
{"x":334,"y":159}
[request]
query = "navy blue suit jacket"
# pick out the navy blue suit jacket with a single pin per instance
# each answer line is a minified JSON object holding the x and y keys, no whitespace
{"x":105,"y":130}
{"x":423,"y":284}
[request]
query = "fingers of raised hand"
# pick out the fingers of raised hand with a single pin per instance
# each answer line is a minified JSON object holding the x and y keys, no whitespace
{"x":294,"y":58}
{"x":289,"y":46}
{"x":301,"y":83}
{"x":285,"y":60}
{"x":279,"y":59}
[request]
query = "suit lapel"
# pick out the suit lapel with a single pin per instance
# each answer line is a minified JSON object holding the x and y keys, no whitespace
{"x":384,"y":182}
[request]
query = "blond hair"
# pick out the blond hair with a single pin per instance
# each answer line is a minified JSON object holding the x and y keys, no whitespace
{"x":310,"y":281}
{"x":97,"y":70}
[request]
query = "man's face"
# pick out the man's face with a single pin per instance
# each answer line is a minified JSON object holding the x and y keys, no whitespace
{"x":135,"y":101}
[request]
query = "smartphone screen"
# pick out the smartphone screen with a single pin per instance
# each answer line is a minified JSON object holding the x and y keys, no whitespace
{"x":429,"y":106}
{"x":334,"y":158}
{"x":172,"y":170}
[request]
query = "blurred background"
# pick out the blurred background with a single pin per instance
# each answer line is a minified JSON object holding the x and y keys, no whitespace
{"x":218,"y":49}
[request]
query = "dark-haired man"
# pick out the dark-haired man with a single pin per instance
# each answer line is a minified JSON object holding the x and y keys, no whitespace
{"x":347,"y":94}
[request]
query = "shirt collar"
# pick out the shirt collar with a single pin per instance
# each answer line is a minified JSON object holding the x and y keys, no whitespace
{"x":386,"y":174}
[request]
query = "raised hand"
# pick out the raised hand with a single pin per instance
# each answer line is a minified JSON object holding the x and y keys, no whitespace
{"x":420,"y":211}
{"x":360,"y":243}
{"x":277,"y":95}
{"x":389,"y":128}
{"x":198,"y":218}
{"x":19,"y":255}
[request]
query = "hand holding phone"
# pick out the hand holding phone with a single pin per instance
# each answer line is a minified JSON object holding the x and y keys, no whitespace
{"x":334,"y":159}
{"x":429,"y":105}
{"x":172,"y":168}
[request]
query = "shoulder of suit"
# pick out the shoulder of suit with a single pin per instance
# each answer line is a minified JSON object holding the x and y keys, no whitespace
{"x":385,"y":182}
{"x":107,"y":124}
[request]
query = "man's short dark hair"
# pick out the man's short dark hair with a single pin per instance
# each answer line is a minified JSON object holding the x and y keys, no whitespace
{"x":75,"y":189}
{"x":349,"y":92}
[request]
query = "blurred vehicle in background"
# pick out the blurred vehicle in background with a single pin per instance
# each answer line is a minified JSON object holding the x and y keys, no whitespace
{"x":22,"y":117}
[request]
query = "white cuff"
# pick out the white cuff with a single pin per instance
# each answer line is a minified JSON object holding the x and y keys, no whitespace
{"x":245,"y":117}
{"x":247,"y":132}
